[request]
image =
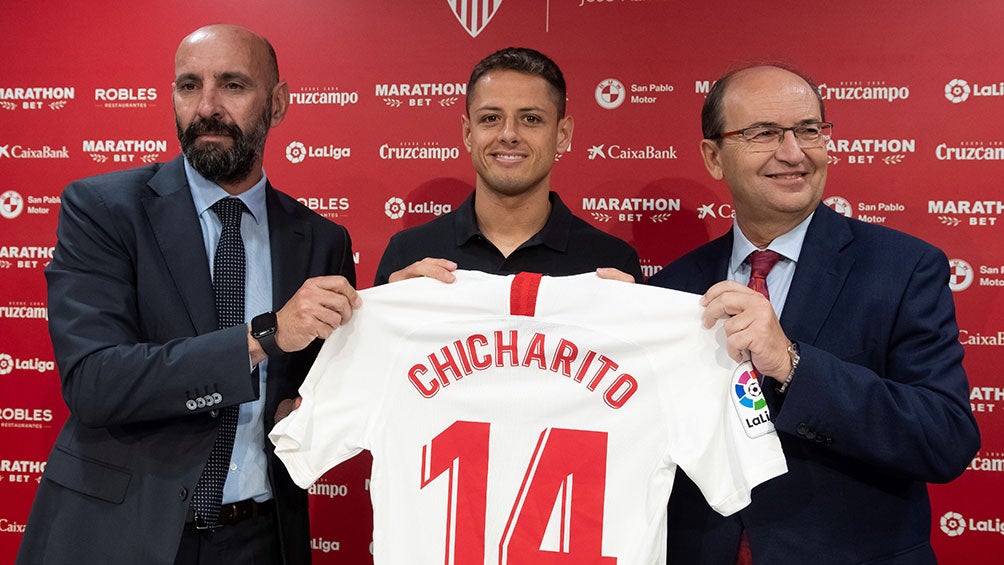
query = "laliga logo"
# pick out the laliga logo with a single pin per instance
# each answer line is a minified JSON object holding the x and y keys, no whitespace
{"x":394,"y":208}
{"x":6,"y":364}
{"x":957,"y":90}
{"x":610,"y":93}
{"x":296,"y":152}
{"x":953,"y":524}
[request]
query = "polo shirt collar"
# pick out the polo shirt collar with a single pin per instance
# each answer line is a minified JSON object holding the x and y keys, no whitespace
{"x":554,"y":234}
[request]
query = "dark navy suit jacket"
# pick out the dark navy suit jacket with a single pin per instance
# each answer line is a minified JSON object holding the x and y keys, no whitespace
{"x":879,"y":405}
{"x":134,"y":331}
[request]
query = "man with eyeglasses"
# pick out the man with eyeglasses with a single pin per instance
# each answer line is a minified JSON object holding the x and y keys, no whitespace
{"x":853,"y":332}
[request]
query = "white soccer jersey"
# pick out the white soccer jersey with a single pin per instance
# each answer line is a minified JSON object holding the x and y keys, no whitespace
{"x":528,"y":420}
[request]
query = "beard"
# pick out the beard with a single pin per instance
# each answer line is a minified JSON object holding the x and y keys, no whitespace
{"x":216,"y":163}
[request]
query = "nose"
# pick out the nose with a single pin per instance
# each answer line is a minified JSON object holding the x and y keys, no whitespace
{"x":509,"y":133}
{"x":209,"y":103}
{"x":789,"y":151}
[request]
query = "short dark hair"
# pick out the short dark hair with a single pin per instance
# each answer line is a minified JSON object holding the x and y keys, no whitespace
{"x":521,"y":60}
{"x":713,"y":113}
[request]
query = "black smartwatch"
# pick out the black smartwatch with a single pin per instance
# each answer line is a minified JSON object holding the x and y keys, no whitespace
{"x":263,"y":327}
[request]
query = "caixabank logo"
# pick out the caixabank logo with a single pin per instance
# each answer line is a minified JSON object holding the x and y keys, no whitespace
{"x":18,"y":151}
{"x":396,"y":208}
{"x":36,"y":97}
{"x":954,"y":524}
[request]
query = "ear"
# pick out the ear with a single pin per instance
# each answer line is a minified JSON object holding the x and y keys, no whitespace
{"x":565,"y":128}
{"x":280,"y":102}
{"x":712,"y":154}
{"x":465,"y":128}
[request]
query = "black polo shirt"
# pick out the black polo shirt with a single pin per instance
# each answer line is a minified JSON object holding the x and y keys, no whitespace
{"x":566,"y":245}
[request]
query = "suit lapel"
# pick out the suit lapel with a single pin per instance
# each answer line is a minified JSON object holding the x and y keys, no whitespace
{"x":822,"y":269}
{"x":175,"y":225}
{"x":290,"y":243}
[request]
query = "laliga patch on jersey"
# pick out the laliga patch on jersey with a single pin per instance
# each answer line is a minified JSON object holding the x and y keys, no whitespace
{"x":747,"y":396}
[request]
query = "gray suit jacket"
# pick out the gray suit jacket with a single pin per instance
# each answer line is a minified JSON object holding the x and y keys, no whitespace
{"x":133,"y":328}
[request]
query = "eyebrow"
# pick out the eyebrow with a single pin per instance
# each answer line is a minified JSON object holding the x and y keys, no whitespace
{"x":221,"y":77}
{"x":498,"y":109}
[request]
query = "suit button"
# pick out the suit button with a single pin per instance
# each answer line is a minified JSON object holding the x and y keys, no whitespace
{"x":183,"y":494}
{"x":191,"y":405}
{"x":802,"y":429}
{"x":217,"y":398}
{"x":810,"y":435}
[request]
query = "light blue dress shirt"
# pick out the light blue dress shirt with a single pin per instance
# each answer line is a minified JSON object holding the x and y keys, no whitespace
{"x":248,"y":476}
{"x":779,"y":279}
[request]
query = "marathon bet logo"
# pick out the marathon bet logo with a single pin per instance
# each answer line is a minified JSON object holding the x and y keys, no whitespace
{"x":25,"y":256}
{"x":395,"y":208}
{"x":20,"y":471}
{"x":615,"y":151}
{"x":958,"y":90}
{"x":125,"y":97}
{"x":297,"y":152}
{"x":983,"y":398}
{"x":421,"y":94}
{"x":630,"y":209}
{"x":36,"y":97}
{"x":124,"y":150}
{"x":960,"y":275}
{"x":865,"y":151}
{"x":979,"y":212}
{"x":323,"y":96}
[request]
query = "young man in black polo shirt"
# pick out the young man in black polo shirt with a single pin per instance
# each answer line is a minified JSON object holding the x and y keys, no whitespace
{"x":515,"y":128}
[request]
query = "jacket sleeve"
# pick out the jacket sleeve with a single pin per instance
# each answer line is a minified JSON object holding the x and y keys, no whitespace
{"x":127,"y":351}
{"x":901,"y":404}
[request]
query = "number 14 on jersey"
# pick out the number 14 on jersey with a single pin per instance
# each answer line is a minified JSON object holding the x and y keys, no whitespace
{"x":557,"y":516}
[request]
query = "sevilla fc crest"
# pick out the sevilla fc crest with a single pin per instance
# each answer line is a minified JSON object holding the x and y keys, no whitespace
{"x":474,"y":15}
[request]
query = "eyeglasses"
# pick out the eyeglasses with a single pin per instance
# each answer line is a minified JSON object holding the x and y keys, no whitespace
{"x":769,"y":138}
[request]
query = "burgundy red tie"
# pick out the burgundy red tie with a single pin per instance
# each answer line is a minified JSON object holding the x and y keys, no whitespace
{"x":761,"y":262}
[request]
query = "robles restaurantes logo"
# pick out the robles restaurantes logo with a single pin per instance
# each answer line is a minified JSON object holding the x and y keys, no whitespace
{"x":125,"y":97}
{"x":297,"y":152}
{"x":395,"y":208}
{"x":36,"y":97}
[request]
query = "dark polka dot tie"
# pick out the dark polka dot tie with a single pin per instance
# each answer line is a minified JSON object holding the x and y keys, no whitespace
{"x":229,"y":270}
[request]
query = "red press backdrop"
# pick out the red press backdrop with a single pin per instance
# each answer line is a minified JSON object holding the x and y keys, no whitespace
{"x":372,"y":140}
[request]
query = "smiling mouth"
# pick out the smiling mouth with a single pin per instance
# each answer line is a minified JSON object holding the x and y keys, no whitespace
{"x":787,"y":176}
{"x":509,"y":157}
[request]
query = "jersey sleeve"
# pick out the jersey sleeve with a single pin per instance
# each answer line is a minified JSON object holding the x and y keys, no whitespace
{"x":720,"y":447}
{"x":340,"y":397}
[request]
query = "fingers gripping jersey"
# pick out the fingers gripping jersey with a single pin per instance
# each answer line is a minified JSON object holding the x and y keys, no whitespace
{"x":520,"y":419}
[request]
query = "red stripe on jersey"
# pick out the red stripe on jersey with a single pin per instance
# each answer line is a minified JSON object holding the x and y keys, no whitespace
{"x":523,"y":294}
